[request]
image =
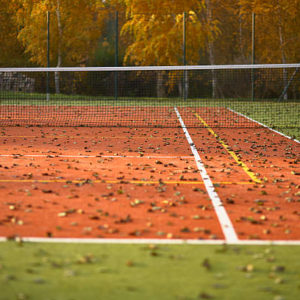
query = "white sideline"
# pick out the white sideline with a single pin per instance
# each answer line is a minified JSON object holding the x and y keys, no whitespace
{"x":263,"y":125}
{"x":120,"y":241}
{"x":226,"y":225}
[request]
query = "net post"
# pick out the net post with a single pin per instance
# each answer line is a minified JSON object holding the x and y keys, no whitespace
{"x":253,"y":58}
{"x":184,"y":57}
{"x":116,"y":52}
{"x":48,"y":54}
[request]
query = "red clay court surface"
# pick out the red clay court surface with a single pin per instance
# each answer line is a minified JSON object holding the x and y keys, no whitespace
{"x":144,"y":183}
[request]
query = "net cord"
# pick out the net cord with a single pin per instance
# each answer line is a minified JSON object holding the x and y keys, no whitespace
{"x":153,"y":68}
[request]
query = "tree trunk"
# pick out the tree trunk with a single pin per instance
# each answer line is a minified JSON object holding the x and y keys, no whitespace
{"x":59,"y":53}
{"x":183,"y":84}
{"x":160,"y":87}
{"x":283,"y":59}
{"x":241,"y":39}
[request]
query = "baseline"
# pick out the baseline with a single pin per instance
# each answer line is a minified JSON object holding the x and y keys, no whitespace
{"x":152,"y":241}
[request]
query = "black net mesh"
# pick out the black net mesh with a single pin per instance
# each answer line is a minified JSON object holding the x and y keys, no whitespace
{"x":137,"y":97}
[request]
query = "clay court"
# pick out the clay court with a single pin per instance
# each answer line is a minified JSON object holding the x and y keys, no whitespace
{"x":195,"y":181}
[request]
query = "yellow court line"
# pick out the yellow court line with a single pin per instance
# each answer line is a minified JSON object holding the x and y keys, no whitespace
{"x":120,"y":182}
{"x":20,"y":119}
{"x":232,"y":153}
{"x":115,"y":119}
{"x":84,"y":137}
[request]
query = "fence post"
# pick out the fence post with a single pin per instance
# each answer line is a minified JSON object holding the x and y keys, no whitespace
{"x":116,"y":52}
{"x":48,"y":54}
{"x":184,"y":56}
{"x":253,"y":58}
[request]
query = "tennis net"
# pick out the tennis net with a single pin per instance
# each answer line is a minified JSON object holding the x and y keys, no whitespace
{"x":216,"y":96}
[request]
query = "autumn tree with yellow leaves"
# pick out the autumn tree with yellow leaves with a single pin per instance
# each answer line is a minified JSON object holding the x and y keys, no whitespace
{"x":277,"y":34}
{"x":156,"y":30}
{"x":218,"y":31}
{"x":75,"y":27}
{"x":10,"y":48}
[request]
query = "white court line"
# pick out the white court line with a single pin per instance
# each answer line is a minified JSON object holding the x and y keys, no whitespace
{"x":263,"y":125}
{"x":153,"y":241}
{"x":96,"y":156}
{"x":226,"y":225}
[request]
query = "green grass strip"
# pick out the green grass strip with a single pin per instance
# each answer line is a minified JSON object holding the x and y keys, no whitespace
{"x":79,"y":271}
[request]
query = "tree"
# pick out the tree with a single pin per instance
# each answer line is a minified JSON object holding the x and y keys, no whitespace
{"x":156,"y":28}
{"x":277,"y":30}
{"x":75,"y":29}
{"x":11,"y":51}
{"x":156,"y":32}
{"x":105,"y":52}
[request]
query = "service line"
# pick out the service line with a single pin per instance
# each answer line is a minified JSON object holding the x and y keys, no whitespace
{"x":224,"y":220}
{"x":142,"y":182}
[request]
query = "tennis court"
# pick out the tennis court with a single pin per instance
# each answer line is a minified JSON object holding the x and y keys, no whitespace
{"x":162,"y":182}
{"x":165,"y":169}
{"x":139,"y":189}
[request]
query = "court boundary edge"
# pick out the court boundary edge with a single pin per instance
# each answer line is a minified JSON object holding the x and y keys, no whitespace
{"x":263,"y":125}
{"x":151,"y":241}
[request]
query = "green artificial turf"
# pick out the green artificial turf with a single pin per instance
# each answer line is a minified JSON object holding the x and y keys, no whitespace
{"x":106,"y":271}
